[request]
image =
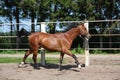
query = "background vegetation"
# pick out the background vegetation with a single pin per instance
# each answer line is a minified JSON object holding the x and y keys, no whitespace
{"x":62,"y":10}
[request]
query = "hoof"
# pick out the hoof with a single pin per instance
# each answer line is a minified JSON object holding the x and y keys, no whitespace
{"x":22,"y":65}
{"x":79,"y":66}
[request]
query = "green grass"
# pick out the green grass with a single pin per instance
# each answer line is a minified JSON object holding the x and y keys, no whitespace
{"x":18,"y":60}
{"x":97,"y":52}
{"x":12,"y":60}
{"x":11,"y":52}
{"x":79,"y":51}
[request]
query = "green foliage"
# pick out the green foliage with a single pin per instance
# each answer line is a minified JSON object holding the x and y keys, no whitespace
{"x":61,"y":10}
{"x":97,"y":52}
{"x":78,"y":50}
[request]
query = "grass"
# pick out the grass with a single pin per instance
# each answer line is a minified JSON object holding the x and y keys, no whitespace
{"x":12,"y":60}
{"x":18,"y":60}
{"x":11,"y":52}
{"x":74,"y":51}
{"x":78,"y":51}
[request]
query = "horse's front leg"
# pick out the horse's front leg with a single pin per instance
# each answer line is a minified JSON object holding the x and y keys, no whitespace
{"x":61,"y":59}
{"x":76,"y":61}
{"x":75,"y":58}
{"x":22,"y":64}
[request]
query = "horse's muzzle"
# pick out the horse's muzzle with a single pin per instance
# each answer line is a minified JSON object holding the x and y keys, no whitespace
{"x":87,"y":37}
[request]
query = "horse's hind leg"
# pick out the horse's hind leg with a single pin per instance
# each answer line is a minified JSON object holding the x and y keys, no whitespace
{"x":24,"y":58}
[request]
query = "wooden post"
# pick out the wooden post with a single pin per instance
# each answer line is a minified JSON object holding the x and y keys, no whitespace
{"x":43,"y":29}
{"x":17,"y":42}
{"x":43,"y":56}
{"x":86,"y":43}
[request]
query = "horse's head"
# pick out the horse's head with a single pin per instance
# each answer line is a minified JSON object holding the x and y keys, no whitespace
{"x":83,"y":32}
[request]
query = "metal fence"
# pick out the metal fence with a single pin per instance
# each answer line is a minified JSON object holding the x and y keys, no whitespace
{"x":105,"y":35}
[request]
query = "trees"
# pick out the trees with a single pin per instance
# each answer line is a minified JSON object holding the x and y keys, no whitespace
{"x":29,"y":8}
{"x":63,"y":10}
{"x":10,"y":10}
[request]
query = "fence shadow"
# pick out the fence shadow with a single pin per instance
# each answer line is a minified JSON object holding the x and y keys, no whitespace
{"x":55,"y":66}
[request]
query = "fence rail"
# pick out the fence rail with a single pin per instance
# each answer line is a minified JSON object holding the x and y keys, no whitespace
{"x":64,"y":22}
{"x":96,"y":35}
{"x":104,"y":48}
{"x":99,"y":36}
{"x":105,"y":34}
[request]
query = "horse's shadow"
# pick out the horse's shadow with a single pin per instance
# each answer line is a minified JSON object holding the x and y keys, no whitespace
{"x":54,"y":66}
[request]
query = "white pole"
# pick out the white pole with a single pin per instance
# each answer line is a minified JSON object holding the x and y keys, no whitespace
{"x":43,"y":29}
{"x":87,"y":55}
{"x":43,"y":56}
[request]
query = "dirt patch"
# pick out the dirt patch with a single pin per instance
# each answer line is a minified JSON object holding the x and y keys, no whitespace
{"x":102,"y":67}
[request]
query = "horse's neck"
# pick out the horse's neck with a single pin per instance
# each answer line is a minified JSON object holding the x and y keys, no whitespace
{"x":73,"y":33}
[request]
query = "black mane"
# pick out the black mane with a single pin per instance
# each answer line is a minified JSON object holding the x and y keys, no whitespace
{"x":23,"y":32}
{"x":72,"y":25}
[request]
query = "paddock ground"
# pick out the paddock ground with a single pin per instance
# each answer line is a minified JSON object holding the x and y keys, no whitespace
{"x":102,"y":67}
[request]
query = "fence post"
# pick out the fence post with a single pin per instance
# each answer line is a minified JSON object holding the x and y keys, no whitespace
{"x":43,"y":29}
{"x":86,"y":43}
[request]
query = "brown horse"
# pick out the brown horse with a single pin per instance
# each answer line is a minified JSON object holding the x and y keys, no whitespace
{"x":60,"y":42}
